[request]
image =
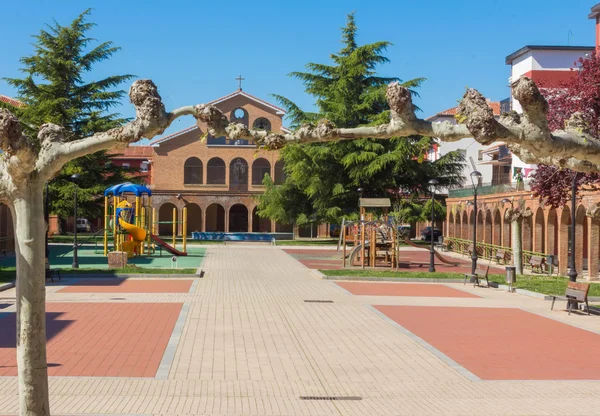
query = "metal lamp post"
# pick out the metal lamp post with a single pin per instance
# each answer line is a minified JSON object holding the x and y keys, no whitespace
{"x":75,"y":265}
{"x":432,"y":184}
{"x":572,"y":273}
{"x":360,"y":195}
{"x":475,"y":180}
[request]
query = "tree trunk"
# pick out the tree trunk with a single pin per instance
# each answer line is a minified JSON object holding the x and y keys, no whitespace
{"x":28,"y":215}
{"x":517,"y":244}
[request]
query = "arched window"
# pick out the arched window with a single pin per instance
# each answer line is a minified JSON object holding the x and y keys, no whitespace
{"x":215,"y":171}
{"x":262,"y":124}
{"x":260,"y":168}
{"x":239,"y":115}
{"x":238,"y":174}
{"x":192,"y":171}
{"x":279,"y":173}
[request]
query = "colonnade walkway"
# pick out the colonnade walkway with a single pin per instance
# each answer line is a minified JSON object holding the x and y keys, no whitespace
{"x":261,"y":334}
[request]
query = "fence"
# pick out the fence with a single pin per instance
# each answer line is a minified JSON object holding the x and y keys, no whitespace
{"x":489,"y":251}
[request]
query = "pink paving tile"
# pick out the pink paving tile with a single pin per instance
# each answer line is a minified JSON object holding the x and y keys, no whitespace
{"x":98,"y":339}
{"x":404,"y":289}
{"x":504,"y":343}
{"x":110,"y":285}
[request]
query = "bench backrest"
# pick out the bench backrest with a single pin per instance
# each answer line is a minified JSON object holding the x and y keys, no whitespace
{"x":536,"y":260}
{"x":578,"y":291}
{"x":482,"y":272}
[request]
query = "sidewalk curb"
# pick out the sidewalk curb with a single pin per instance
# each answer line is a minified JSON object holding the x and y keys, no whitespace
{"x":6,"y":286}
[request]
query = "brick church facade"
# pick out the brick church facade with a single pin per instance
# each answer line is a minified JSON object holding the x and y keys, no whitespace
{"x":217,"y":179}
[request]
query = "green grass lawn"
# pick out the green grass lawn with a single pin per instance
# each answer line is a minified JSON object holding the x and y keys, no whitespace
{"x":542,"y":284}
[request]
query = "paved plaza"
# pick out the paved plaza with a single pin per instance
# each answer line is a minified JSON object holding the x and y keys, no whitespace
{"x":261,"y":334}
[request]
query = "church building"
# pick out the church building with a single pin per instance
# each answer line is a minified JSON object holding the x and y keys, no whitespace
{"x":216,"y":179}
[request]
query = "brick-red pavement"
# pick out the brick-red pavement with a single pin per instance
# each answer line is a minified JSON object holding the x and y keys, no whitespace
{"x":98,"y":339}
{"x":331,"y":260}
{"x":128,"y":286}
{"x":503,"y":343}
{"x":403,"y":289}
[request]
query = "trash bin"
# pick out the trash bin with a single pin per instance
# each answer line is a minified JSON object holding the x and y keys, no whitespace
{"x":550,"y":263}
{"x":511,"y":277}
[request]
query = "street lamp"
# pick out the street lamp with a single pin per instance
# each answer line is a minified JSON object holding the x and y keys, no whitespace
{"x":475,"y":180}
{"x":360,"y":195}
{"x":572,"y":273}
{"x":432,"y":184}
{"x":75,"y":265}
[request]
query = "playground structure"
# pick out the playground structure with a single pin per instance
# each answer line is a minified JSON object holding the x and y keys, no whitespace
{"x":375,"y":242}
{"x":132,"y":225}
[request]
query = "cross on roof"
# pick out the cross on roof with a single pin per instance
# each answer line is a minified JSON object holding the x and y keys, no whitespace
{"x":240,"y":79}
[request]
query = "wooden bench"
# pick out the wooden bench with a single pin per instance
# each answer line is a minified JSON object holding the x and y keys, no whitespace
{"x":480,"y":274}
{"x":575,"y":294}
{"x":51,"y":272}
{"x":537,"y":262}
{"x":501,"y":255}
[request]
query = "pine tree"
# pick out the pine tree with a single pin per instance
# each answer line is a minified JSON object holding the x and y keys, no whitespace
{"x":350,"y":93}
{"x":55,"y":89}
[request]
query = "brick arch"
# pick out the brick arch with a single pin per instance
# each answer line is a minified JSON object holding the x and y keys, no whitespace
{"x":527,"y":233}
{"x":497,"y":228}
{"x":480,"y":229}
{"x":260,"y":168}
{"x":551,"y":231}
{"x":539,"y":237}
{"x":215,"y":171}
{"x":563,"y":240}
{"x":239,"y":173}
{"x":506,"y":230}
{"x":260,"y":225}
{"x":214,"y":217}
{"x":487,"y":231}
{"x":464,"y":226}
{"x":451,"y":224}
{"x":194,"y":217}
{"x":581,"y":234}
{"x":238,"y":218}
{"x":165,"y":218}
{"x":279,"y":173}
{"x":192,"y":171}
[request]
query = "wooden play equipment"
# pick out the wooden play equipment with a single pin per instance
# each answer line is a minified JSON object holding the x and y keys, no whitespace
{"x":132,"y":225}
{"x":369,"y":242}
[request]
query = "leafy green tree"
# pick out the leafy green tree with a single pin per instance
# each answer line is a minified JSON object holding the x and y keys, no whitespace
{"x":56,"y":89}
{"x":322,"y":178}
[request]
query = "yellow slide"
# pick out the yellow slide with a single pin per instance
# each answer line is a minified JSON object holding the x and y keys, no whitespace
{"x":138,"y":234}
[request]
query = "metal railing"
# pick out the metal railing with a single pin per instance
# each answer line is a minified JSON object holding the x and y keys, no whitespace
{"x":489,"y":189}
{"x":489,"y":251}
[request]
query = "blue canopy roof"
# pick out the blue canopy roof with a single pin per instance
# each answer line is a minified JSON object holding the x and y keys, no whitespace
{"x":128,"y":187}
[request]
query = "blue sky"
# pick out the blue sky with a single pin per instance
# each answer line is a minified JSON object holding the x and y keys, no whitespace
{"x":193,"y":50}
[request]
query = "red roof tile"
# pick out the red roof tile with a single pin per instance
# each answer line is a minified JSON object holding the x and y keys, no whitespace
{"x":132,"y":152}
{"x":11,"y":101}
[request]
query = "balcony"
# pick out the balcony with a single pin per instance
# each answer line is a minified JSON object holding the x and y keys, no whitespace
{"x":490,"y":188}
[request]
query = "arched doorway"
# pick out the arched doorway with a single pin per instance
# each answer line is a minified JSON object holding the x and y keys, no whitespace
{"x":284,"y":228}
{"x":497,"y":226}
{"x":464,"y":226}
{"x":564,"y":237}
{"x":581,"y":236}
{"x":238,"y":219}
{"x":552,"y":232}
{"x":260,"y":225}
{"x":451,"y":225}
{"x":215,"y":218}
{"x":194,"y":218}
{"x":506,"y":230}
{"x":238,"y":175}
{"x":488,"y":227}
{"x":540,"y":231}
{"x":480,"y":228}
{"x":527,"y":233}
{"x":165,"y":219}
